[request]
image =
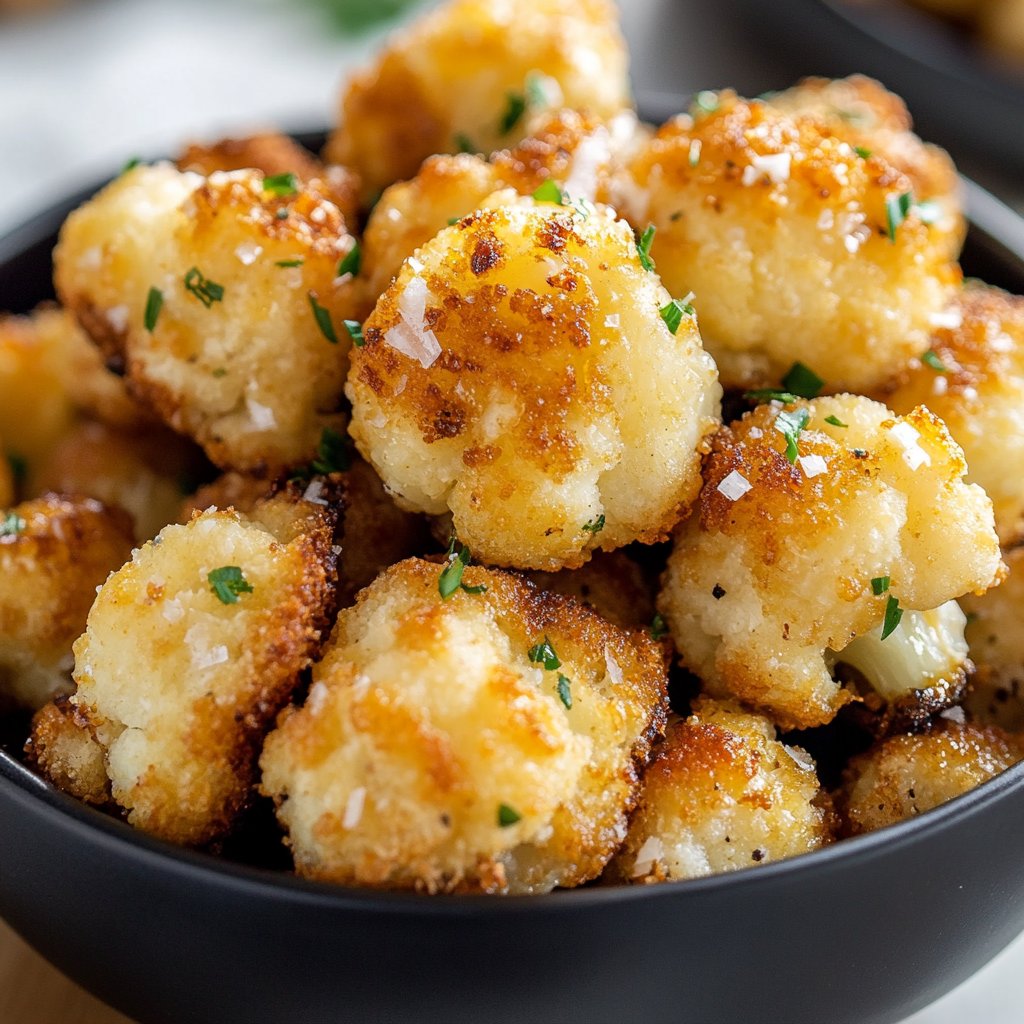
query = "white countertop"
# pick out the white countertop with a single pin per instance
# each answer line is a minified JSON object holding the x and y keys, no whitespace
{"x":102,"y":80}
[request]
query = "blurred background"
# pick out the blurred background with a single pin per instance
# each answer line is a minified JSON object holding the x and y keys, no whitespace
{"x":87,"y":84}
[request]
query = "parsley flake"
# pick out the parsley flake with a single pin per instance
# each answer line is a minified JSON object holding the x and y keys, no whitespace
{"x":206,"y":291}
{"x":515,"y":107}
{"x":893,"y":614}
{"x":131,"y":164}
{"x":507,"y":816}
{"x":11,"y":525}
{"x":544,"y":654}
{"x":352,"y":261}
{"x":835,"y":421}
{"x":879,"y":585}
{"x":672,"y":313}
{"x":658,"y":627}
{"x":228,"y":582}
{"x":453,"y":220}
{"x":862,"y":152}
{"x":594,"y":525}
{"x":771,"y":395}
{"x":355,"y":332}
{"x":896,"y":210}
{"x":932,"y":360}
{"x":564,"y":691}
{"x":289,"y":263}
{"x":643,"y":247}
{"x":550,"y":192}
{"x":450,"y":579}
{"x":331,"y":454}
{"x":154,"y":303}
{"x":463,"y":143}
{"x":281,"y":184}
{"x":803,"y":381}
{"x":323,"y":320}
{"x":705,"y":102}
{"x":790,"y":424}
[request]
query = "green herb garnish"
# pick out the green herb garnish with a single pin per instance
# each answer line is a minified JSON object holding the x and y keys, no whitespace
{"x":893,"y":614}
{"x":862,"y":152}
{"x":515,"y":107}
{"x":929,"y":211}
{"x":19,"y":468}
{"x":896,"y":210}
{"x":835,"y":421}
{"x":672,"y":313}
{"x":706,"y":101}
{"x":355,"y":332}
{"x":507,"y":816}
{"x":594,"y":525}
{"x":131,"y":164}
{"x":154,"y":303}
{"x":289,"y":263}
{"x":544,"y":654}
{"x":879,"y":585}
{"x":802,"y":381}
{"x":931,"y":359}
{"x":658,"y":628}
{"x":643,"y":247}
{"x":550,"y":192}
{"x":352,"y":261}
{"x":564,"y":691}
{"x":281,"y":184}
{"x":790,"y":423}
{"x":11,"y":524}
{"x":695,"y":148}
{"x":331,"y":454}
{"x":450,"y":579}
{"x":323,"y":320}
{"x":228,"y":582}
{"x":771,"y":395}
{"x":206,"y":291}
{"x":464,"y":144}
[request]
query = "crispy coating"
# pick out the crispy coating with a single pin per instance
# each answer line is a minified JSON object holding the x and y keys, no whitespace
{"x":140,"y":472}
{"x":978,"y":390}
{"x":54,"y":552}
{"x":432,"y":753}
{"x":447,"y":81}
{"x":179,"y":683}
{"x":236,"y":357}
{"x":229,"y":490}
{"x":772,"y":579}
{"x":575,"y":150}
{"x":782,"y":232}
{"x":904,"y":776}
{"x":273,"y":154}
{"x":64,"y":750}
{"x":869,"y":117}
{"x":996,"y":641}
{"x":721,"y":794}
{"x":541,"y":391}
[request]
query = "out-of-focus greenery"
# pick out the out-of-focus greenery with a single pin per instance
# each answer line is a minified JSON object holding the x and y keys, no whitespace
{"x":360,"y":15}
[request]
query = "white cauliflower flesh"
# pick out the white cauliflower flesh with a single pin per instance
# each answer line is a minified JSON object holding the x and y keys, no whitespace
{"x":220,"y":298}
{"x":819,"y":521}
{"x":189,"y":652}
{"x":721,"y":794}
{"x":527,"y":374}
{"x":485,"y":742}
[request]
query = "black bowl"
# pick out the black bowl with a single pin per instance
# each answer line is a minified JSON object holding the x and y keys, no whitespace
{"x":868,"y":930}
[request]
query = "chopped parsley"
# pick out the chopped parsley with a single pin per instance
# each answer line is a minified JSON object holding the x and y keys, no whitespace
{"x":219,"y":372}
{"x":544,"y":654}
{"x":790,"y":424}
{"x":228,"y":582}
{"x":594,"y":525}
{"x":206,"y":291}
{"x":154,"y":303}
{"x":658,"y":628}
{"x":564,"y":691}
{"x":450,"y":579}
{"x":507,"y":816}
{"x":355,"y":332}
{"x":896,"y":209}
{"x":879,"y":585}
{"x":289,"y":263}
{"x":463,"y":143}
{"x":803,"y":381}
{"x":131,"y":164}
{"x":771,"y":395}
{"x":550,"y":192}
{"x":862,"y":152}
{"x":893,"y":614}
{"x":515,"y":107}
{"x":931,"y":359}
{"x":453,"y":220}
{"x":331,"y":454}
{"x":352,"y":261}
{"x":705,"y":102}
{"x":323,"y":320}
{"x":11,"y":524}
{"x":281,"y":185}
{"x":835,"y":421}
{"x":643,"y":247}
{"x":672,"y":313}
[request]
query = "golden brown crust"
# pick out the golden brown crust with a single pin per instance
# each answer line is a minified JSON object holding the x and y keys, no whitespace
{"x":63,"y":748}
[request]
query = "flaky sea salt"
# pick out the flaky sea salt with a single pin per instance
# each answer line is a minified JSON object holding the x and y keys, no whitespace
{"x":734,"y":486}
{"x":812,"y":465}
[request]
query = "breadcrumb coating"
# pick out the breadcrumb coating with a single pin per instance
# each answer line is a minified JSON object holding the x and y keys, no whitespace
{"x":904,"y":776}
{"x":190,"y":651}
{"x":219,"y":296}
{"x":54,"y":552}
{"x":63,"y":749}
{"x":796,"y":248}
{"x":721,"y":793}
{"x":434,"y":753}
{"x":469,"y":74}
{"x":519,"y":374}
{"x":973,"y":378}
{"x":785,"y":564}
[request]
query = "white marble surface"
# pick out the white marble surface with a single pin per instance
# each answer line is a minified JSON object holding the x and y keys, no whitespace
{"x":102,"y":80}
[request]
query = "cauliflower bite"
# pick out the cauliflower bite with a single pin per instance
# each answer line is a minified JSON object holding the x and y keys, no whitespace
{"x":140,"y":472}
{"x":220,"y":297}
{"x":973,"y":377}
{"x":275,"y":154}
{"x":189,"y":652}
{"x":487,"y":742}
{"x":54,"y":553}
{"x":518,"y":373}
{"x":469,"y":75}
{"x":796,"y":248}
{"x":63,"y":748}
{"x":904,"y":776}
{"x":721,"y":793}
{"x":819,"y":522}
{"x":996,"y":642}
{"x":874,"y":120}
{"x":572,"y":149}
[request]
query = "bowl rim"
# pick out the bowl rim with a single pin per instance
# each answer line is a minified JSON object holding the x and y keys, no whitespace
{"x":987,"y":216}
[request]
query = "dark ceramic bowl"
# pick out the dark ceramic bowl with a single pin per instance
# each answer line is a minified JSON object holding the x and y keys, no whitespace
{"x":868,"y":930}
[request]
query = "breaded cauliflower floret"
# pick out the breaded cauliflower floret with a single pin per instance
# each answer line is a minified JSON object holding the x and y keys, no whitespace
{"x":62,"y":748}
{"x":787,"y":565}
{"x":973,"y":378}
{"x":995,"y":632}
{"x":720,"y":794}
{"x":54,"y":553}
{"x":486,"y":742}
{"x":782,"y":232}
{"x":904,"y":776}
{"x":874,"y":120}
{"x":275,"y":154}
{"x":469,"y":74}
{"x":573,"y":149}
{"x":219,"y":296}
{"x":140,"y":472}
{"x":518,"y":374}
{"x":189,"y":652}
